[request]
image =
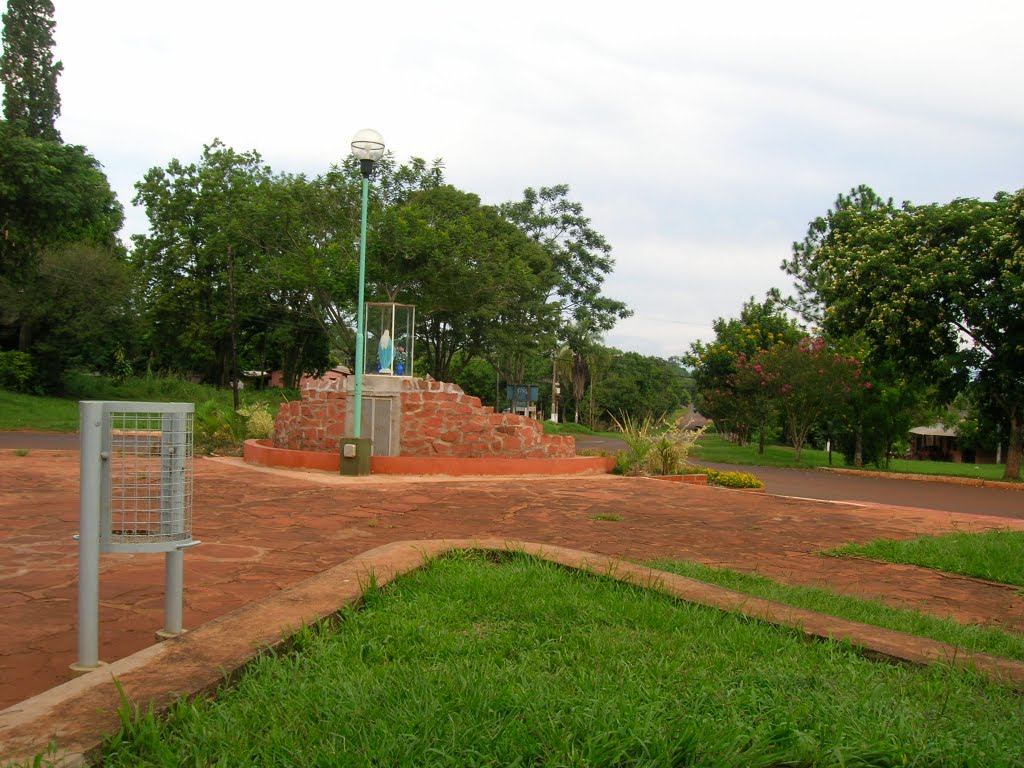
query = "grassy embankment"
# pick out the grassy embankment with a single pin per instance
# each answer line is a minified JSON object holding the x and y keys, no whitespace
{"x":444,"y":669}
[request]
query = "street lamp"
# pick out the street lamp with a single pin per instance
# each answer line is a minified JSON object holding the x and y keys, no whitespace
{"x":368,"y":148}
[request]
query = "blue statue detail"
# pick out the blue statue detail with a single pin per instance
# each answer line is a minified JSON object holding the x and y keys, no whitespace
{"x":385,"y":353}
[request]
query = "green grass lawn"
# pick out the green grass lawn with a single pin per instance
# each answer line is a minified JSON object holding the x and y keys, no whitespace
{"x":714,"y":448}
{"x":991,"y":555}
{"x":970,"y":637}
{"x":483,"y":661}
{"x":60,"y":414}
{"x":45,"y":414}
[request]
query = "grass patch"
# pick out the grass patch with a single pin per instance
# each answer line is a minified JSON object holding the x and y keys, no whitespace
{"x":609,"y":516}
{"x":717,"y":449}
{"x":572,"y":428}
{"x":468,"y":662}
{"x":60,"y":414}
{"x":970,"y":637}
{"x":714,"y":448}
{"x":991,"y":555}
{"x":44,"y":414}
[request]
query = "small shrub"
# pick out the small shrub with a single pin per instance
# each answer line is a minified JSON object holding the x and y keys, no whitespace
{"x":655,"y":446}
{"x":217,"y":428}
{"x":259,"y":422}
{"x":731,"y":479}
{"x":16,"y":371}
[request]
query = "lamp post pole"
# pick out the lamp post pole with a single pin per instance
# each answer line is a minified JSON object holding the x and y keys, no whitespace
{"x":367,"y":147}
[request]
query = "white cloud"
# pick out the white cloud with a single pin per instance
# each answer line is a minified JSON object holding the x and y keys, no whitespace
{"x":701,"y":139}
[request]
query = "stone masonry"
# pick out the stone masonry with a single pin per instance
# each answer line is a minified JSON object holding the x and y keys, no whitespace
{"x":436,"y":419}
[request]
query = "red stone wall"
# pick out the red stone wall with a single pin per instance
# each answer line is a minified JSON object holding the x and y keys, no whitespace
{"x":438,"y":419}
{"x":317,"y":421}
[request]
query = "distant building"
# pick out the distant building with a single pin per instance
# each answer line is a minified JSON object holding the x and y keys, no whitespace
{"x":939,"y":442}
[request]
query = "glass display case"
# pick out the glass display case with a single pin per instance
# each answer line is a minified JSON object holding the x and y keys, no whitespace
{"x":390,"y":338}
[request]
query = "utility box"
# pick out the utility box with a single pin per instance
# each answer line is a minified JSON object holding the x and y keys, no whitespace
{"x":355,"y":455}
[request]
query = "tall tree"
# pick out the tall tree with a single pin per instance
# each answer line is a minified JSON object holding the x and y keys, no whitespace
{"x":50,"y":195}
{"x":721,"y":396}
{"x":938,"y":288}
{"x":580,"y":255}
{"x":28,"y":71}
{"x":841,"y":226}
{"x":475,"y":278}
{"x":216,"y":233}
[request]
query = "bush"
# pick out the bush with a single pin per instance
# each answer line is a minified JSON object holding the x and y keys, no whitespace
{"x":16,"y":371}
{"x":259,"y":421}
{"x":731,"y":479}
{"x":655,"y":446}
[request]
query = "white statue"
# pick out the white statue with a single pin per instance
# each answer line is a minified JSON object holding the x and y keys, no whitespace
{"x":385,"y":353}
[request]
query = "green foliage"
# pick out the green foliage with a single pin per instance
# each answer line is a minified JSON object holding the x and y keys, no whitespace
{"x":259,"y":421}
{"x":75,"y":312}
{"x":971,"y":637}
{"x":51,"y":195}
{"x":475,"y":277}
{"x":216,"y":428}
{"x":655,"y":446}
{"x":16,"y":372}
{"x":739,"y":405}
{"x":443,"y":669}
{"x":580,"y":255}
{"x":936,"y":288}
{"x":731,"y":479}
{"x":990,"y":555}
{"x":27,"y":69}
{"x":225,"y":257}
{"x":628,"y":382}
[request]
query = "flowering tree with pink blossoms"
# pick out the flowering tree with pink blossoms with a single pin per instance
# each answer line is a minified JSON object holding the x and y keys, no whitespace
{"x":808,"y":382}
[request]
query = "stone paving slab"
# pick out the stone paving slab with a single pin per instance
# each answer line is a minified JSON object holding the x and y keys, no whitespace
{"x":267,"y":530}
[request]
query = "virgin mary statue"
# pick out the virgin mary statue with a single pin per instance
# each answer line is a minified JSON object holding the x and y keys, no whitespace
{"x":385,"y":353}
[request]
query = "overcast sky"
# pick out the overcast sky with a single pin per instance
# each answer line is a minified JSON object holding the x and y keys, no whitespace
{"x":701,"y":139}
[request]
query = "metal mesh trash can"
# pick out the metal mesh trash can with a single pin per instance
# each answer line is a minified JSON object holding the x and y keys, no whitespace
{"x":135,"y":496}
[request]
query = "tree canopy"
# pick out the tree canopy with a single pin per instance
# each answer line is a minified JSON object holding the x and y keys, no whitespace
{"x":28,"y":71}
{"x":938,"y":288}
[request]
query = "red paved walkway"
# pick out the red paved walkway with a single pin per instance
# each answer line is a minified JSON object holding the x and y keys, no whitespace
{"x":264,"y":531}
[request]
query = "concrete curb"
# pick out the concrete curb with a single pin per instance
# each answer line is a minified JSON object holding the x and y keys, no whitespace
{"x":948,"y":479}
{"x":79,"y":713}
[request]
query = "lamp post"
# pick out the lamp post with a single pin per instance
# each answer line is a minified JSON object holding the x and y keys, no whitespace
{"x":368,"y":148}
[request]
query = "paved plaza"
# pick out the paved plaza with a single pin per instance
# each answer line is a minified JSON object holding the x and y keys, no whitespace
{"x":266,"y":530}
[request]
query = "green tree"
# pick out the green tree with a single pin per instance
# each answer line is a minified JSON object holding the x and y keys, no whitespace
{"x":219,"y":293}
{"x":581,"y":258}
{"x":79,"y":308}
{"x":640,"y":386}
{"x":811,"y":382}
{"x":474,"y":276}
{"x":51,"y":195}
{"x":842,"y":226}
{"x":54,"y":199}
{"x":735,"y":404}
{"x":937,"y":288}
{"x":28,"y":71}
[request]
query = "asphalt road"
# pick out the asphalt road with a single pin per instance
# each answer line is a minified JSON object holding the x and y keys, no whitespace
{"x":822,"y":484}
{"x":802,"y":483}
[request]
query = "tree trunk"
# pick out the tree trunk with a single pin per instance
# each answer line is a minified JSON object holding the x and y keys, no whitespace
{"x":1015,"y":445}
{"x":24,"y":336}
{"x":858,"y":446}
